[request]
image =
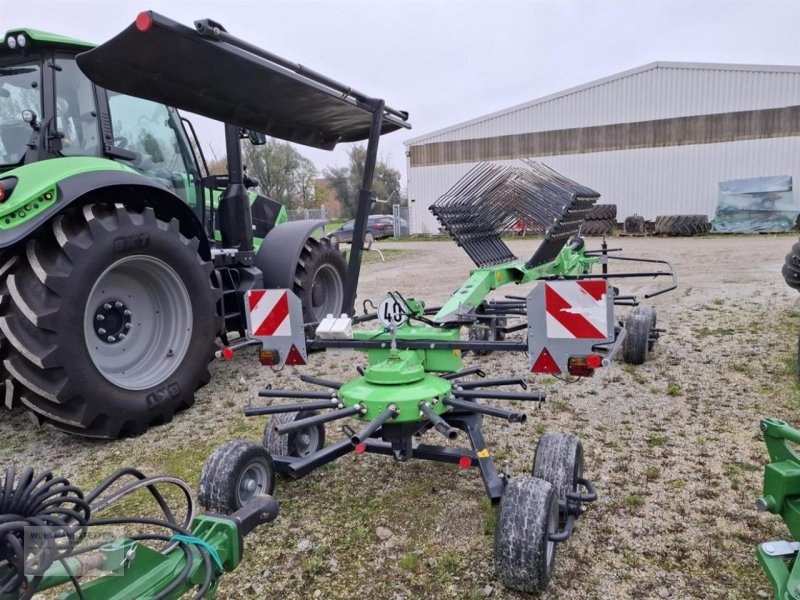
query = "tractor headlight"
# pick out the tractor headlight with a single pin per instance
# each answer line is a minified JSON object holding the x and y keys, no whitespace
{"x":11,"y":42}
{"x":22,"y":41}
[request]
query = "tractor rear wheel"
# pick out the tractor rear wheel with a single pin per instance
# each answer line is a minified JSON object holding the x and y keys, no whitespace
{"x":319,"y":280}
{"x":111,"y":321}
{"x":233,"y":475}
{"x":523,"y":553}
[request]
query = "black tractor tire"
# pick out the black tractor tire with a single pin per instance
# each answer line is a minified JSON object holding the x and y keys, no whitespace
{"x":159,"y":294}
{"x":635,"y":346}
{"x":791,"y":267}
{"x":9,"y":393}
{"x":233,"y":474}
{"x":602,"y":212}
{"x":319,"y":281}
{"x":682,"y":224}
{"x":598,"y":227}
{"x":559,"y":460}
{"x":634,"y":224}
{"x":650,"y":313}
{"x":300,"y":444}
{"x":523,"y":553}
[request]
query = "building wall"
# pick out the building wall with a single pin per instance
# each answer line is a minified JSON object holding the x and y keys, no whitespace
{"x":646,"y":181}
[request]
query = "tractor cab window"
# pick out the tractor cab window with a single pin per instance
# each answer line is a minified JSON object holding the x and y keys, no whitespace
{"x":149,"y":130}
{"x":76,"y":114}
{"x":20,"y":90}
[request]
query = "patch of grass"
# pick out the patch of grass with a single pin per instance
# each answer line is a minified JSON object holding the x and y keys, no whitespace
{"x":540,"y":428}
{"x":676,"y":484}
{"x":656,"y":439}
{"x":450,"y":562}
{"x":409,"y":562}
{"x":634,"y":501}
{"x":654,"y":390}
{"x":719,"y":331}
{"x":652,"y":473}
{"x":673,"y":389}
{"x":490,"y":515}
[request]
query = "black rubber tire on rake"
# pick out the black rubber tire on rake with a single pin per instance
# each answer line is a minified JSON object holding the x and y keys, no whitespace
{"x":636,"y":344}
{"x":523,"y":554}
{"x":634,"y":224}
{"x":48,"y":354}
{"x":221,"y":478}
{"x":650,"y":313}
{"x":791,"y":267}
{"x":287,"y":444}
{"x":559,"y":460}
{"x":602,"y":212}
{"x":682,"y":224}
{"x":598,"y":227}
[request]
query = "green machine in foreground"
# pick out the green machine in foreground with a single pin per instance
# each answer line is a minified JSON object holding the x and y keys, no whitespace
{"x":415,"y":381}
{"x":52,"y":537}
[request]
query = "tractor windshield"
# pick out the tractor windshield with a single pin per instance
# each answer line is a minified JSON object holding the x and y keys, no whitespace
{"x":19,"y":91}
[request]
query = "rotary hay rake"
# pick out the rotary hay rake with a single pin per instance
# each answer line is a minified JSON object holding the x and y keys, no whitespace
{"x":415,"y":381}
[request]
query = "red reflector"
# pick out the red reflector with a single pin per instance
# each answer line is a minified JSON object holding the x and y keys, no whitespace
{"x":227,"y":353}
{"x":143,"y":21}
{"x":594,"y":361}
{"x":2,"y":193}
{"x":294,"y":357}
{"x":545,"y":364}
{"x":465,"y":462}
{"x":361,"y":448}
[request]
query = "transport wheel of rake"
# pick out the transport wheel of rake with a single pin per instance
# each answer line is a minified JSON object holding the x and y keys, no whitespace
{"x":650,"y":313}
{"x":111,"y":321}
{"x":559,"y":460}
{"x":233,"y":475}
{"x":791,"y":267}
{"x":636,"y":344}
{"x":301,"y":443}
{"x":319,"y":281}
{"x":523,"y":552}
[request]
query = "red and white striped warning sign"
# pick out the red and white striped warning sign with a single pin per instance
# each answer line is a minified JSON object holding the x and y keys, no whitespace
{"x":577,"y":309}
{"x":269,"y":312}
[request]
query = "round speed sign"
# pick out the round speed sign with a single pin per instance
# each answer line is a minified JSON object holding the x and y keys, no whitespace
{"x":391,"y":312}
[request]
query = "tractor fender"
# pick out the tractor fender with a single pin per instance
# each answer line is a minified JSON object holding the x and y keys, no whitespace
{"x":279,"y":252}
{"x":129,"y":188}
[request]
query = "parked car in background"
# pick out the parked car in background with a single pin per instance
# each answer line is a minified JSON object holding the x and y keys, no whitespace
{"x":378,"y":227}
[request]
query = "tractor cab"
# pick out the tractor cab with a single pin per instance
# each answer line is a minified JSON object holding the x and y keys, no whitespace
{"x":50,"y":109}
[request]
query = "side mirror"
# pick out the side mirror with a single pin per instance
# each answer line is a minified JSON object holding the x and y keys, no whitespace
{"x":257,"y":138}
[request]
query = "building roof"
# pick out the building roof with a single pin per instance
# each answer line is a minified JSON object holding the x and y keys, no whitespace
{"x":602,"y":81}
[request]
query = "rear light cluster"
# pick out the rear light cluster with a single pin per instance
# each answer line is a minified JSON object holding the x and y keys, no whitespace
{"x":584,"y":366}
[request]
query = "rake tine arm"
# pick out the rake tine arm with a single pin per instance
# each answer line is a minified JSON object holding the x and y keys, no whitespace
{"x":438,"y":422}
{"x":318,"y":419}
{"x":490,"y":411}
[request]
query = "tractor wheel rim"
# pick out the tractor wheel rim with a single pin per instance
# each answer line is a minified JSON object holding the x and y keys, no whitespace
{"x":306,"y":441}
{"x":326,"y":292}
{"x":138,"y":322}
{"x":253,"y":481}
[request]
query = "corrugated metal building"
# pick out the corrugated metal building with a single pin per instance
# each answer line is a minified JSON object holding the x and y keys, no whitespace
{"x":654,"y":140}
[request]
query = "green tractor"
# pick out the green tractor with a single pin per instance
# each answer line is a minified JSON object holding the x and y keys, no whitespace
{"x":122,"y":259}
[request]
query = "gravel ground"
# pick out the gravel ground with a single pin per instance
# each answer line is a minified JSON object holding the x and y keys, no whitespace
{"x":672,"y":446}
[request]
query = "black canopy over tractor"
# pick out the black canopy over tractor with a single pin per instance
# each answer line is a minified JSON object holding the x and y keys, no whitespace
{"x":122,"y":259}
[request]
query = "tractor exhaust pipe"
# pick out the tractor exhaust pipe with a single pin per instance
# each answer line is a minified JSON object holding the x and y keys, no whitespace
{"x":438,"y":422}
{"x":318,"y":419}
{"x":366,"y":432}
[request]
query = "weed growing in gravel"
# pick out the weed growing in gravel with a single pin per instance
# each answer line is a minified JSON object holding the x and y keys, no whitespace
{"x":410,"y":561}
{"x":634,"y":501}
{"x":489,"y":515}
{"x":656,"y":439}
{"x":719,"y":331}
{"x":651,"y":473}
{"x":676,"y":484}
{"x":673,"y":389}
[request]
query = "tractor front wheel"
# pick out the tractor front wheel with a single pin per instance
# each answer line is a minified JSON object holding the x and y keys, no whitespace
{"x":319,"y":280}
{"x":111,"y":321}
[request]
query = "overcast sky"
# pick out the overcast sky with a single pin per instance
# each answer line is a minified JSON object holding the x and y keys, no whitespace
{"x":448,"y":61}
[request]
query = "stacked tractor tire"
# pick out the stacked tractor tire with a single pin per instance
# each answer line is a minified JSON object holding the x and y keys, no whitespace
{"x":682,"y":225}
{"x":601,"y":220}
